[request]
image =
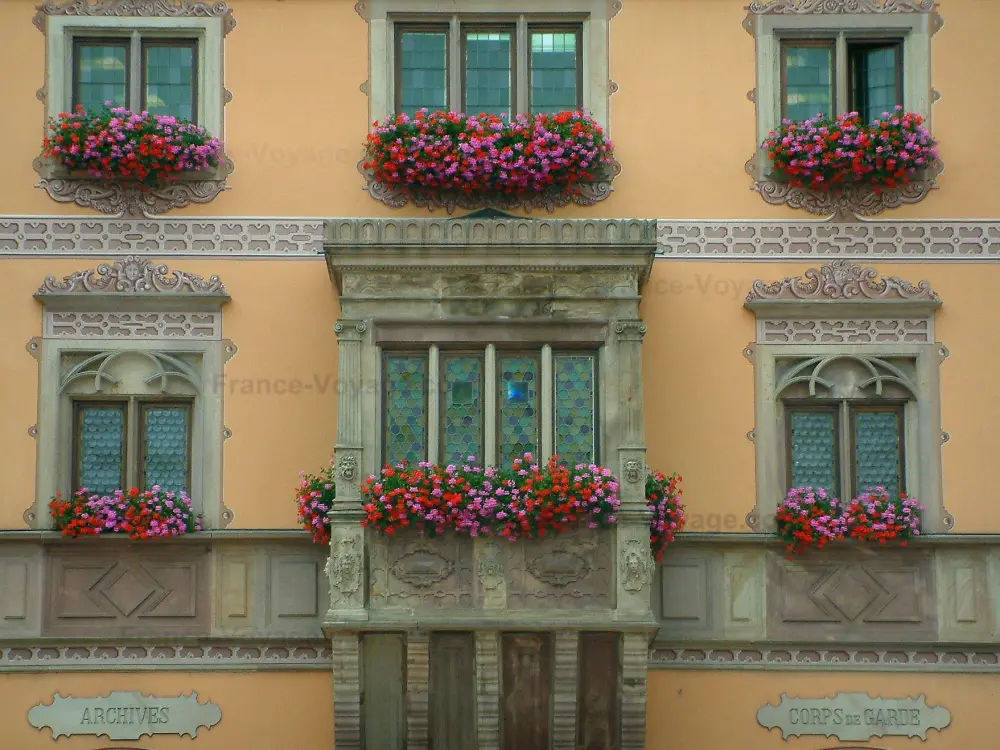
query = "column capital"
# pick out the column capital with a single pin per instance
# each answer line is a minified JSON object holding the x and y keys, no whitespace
{"x":629,"y":330}
{"x":350,"y":330}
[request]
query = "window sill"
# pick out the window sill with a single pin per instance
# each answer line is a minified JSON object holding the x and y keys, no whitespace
{"x":587,"y":194}
{"x":127,"y":198}
{"x":848,"y":203}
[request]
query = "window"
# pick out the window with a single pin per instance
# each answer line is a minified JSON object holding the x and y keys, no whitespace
{"x":155,"y":74}
{"x":496,"y":405}
{"x":132,"y":443}
{"x":845,"y":448}
{"x":476,"y":67}
{"x":830,"y":76}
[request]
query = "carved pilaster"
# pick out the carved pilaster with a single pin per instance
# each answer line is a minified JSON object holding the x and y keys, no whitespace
{"x":565,"y":690}
{"x":346,"y":662}
{"x":628,"y":335}
{"x":490,"y":577}
{"x":417,"y":675}
{"x":346,"y":572}
{"x":488,"y":690}
{"x":350,"y":389}
{"x":634,"y":663}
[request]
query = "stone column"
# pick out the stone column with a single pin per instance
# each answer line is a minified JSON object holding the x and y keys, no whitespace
{"x":635,"y":662}
{"x":345,"y":567}
{"x":488,"y":689}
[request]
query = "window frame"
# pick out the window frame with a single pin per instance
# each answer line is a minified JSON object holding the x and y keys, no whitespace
{"x":397,"y":56}
{"x":476,"y":27}
{"x":97,"y":41}
{"x":144,"y":43}
{"x":556,"y":28}
{"x":64,"y":31}
{"x":854,"y":45}
{"x":141,"y":405}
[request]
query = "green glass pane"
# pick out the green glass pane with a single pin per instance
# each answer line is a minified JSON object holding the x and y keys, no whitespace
{"x":170,"y":80}
{"x":876,"y":80}
{"x":101,"y":75}
{"x":487,"y":73}
{"x":518,"y":408}
{"x":463,"y":409}
{"x":876,"y":439}
{"x":814,"y":450}
{"x":424,"y":71}
{"x":575,"y":408}
{"x":553,"y":72}
{"x":167,"y":449}
{"x":808,"y":81}
{"x":405,"y":409}
{"x":102,"y":449}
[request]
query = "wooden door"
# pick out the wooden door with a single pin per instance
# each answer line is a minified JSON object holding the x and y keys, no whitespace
{"x":384,"y":723}
{"x":452,"y":691}
{"x":597,"y":704}
{"x":526,"y":691}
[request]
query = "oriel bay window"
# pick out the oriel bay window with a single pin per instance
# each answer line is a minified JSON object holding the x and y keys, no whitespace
{"x":496,"y":405}
{"x":503,"y":67}
{"x":118,"y":444}
{"x":838,"y":74}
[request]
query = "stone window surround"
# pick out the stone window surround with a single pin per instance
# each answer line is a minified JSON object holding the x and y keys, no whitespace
{"x":842,"y":291}
{"x":596,"y":14}
{"x":768,"y":22}
{"x":132,"y":286}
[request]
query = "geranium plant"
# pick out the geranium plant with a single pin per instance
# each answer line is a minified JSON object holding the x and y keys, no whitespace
{"x":810,"y":518}
{"x":487,"y":154}
{"x":116,"y":143}
{"x":527,"y":500}
{"x":826,"y":153}
{"x":663,"y":493}
{"x":142,"y":514}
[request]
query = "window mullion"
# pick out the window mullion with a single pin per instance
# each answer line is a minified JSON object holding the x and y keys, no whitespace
{"x":842,"y":95}
{"x":433,"y":404}
{"x":520,"y":59}
{"x":491,"y":406}
{"x":456,"y":66}
{"x":132,"y":447}
{"x":548,"y":404}
{"x":135,"y":69}
{"x":846,"y":440}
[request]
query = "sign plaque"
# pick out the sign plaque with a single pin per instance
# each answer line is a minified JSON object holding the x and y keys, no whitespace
{"x":124,"y":716}
{"x":854,"y":717}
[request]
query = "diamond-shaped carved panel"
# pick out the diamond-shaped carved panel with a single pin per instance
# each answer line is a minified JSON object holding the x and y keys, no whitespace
{"x":853,"y":594}
{"x":144,"y":589}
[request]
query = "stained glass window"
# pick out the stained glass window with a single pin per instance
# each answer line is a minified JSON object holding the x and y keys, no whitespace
{"x":518,"y":417}
{"x":462,"y":407}
{"x":166,"y":446}
{"x":575,"y":408}
{"x":877,"y":438}
{"x":814,"y":449}
{"x":100,"y":448}
{"x":405,"y":399}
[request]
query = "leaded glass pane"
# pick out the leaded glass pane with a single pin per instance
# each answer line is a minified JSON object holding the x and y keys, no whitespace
{"x":518,"y":407}
{"x":463,"y":409}
{"x":101,"y":75}
{"x":488,"y":84}
{"x":814,"y":450}
{"x":170,"y":79}
{"x":876,"y":80}
{"x":101,"y":449}
{"x":575,"y":408}
{"x":554,"y":71}
{"x":423,"y":70}
{"x":405,"y":409}
{"x":876,"y":440}
{"x":167,"y":449}
{"x":808,"y":81}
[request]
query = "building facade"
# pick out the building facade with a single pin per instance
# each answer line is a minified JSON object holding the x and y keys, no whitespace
{"x":683,"y":310}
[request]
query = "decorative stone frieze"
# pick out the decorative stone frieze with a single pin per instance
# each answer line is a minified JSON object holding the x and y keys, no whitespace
{"x":841,"y":280}
{"x":137,"y":8}
{"x":134,"y":274}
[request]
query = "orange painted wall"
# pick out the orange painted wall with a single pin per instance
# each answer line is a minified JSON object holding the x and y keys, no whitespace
{"x":680,"y":120}
{"x":718,"y":710}
{"x":260,"y":710}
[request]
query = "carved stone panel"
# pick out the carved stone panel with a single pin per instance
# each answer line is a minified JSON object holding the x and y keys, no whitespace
{"x":124,"y":590}
{"x":413,"y":572}
{"x":20,"y":613}
{"x":852,"y":595}
{"x":570,"y":571}
{"x":685,"y":598}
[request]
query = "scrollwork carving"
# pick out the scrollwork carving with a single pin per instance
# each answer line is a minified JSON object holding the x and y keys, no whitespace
{"x":633,"y":565}
{"x":131,"y":275}
{"x":630,"y":330}
{"x":139,"y":8}
{"x":841,"y":280}
{"x":806,"y":7}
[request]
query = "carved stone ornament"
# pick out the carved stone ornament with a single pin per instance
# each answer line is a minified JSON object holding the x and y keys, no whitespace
{"x":634,"y":565}
{"x":633,"y":470}
{"x":490,"y":566}
{"x":630,"y":330}
{"x":841,"y":280}
{"x":587,"y":194}
{"x":131,"y":275}
{"x":805,"y":7}
{"x":130,"y":199}
{"x":124,"y":716}
{"x":344,"y":566}
{"x":422,"y":567}
{"x":848,"y":202}
{"x":139,"y":8}
{"x":347,"y":468}
{"x":559,"y":567}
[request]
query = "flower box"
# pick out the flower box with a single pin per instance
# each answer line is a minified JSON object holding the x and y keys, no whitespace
{"x":449,"y":159}
{"x":116,"y":144}
{"x":828,"y":154}
{"x":139,"y":514}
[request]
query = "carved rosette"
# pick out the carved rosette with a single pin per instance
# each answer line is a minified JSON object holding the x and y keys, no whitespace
{"x":841,"y":280}
{"x":133,"y":274}
{"x":586,"y":194}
